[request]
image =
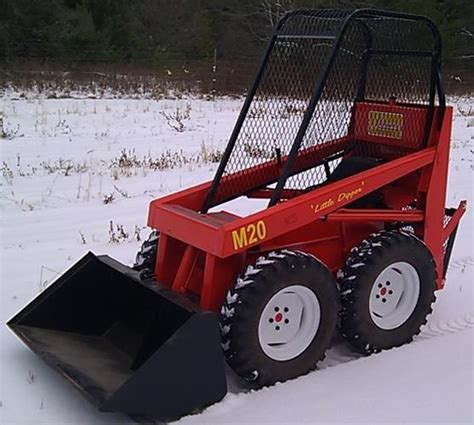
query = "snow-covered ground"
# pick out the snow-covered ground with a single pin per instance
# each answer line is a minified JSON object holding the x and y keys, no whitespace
{"x":78,"y":174}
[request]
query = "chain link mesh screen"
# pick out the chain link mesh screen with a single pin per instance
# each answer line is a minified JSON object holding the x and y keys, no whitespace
{"x":377,"y":58}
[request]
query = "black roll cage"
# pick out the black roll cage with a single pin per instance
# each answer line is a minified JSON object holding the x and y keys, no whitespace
{"x":436,"y":86}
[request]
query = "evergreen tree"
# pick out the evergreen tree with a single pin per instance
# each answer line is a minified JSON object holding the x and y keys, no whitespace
{"x":163,"y":31}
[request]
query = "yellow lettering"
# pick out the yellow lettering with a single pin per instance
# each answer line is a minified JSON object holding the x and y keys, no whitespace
{"x":323,"y":205}
{"x":252,"y":230}
{"x":261,"y":230}
{"x":347,"y":196}
{"x":252,"y":233}
{"x":240,"y":240}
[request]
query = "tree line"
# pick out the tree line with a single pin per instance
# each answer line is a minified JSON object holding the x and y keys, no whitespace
{"x":157,"y":32}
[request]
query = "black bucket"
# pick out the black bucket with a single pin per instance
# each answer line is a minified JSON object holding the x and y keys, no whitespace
{"x":128,"y":346}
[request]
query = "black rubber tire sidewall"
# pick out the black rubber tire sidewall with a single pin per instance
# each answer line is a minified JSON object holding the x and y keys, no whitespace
{"x":268,"y":282}
{"x":359,"y":321}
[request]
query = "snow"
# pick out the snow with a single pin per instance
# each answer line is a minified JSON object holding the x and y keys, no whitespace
{"x":389,"y":387}
{"x":60,"y":165}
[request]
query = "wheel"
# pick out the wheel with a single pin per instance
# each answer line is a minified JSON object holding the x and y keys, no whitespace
{"x":145,"y":259}
{"x":387,"y":288}
{"x":280,"y":317}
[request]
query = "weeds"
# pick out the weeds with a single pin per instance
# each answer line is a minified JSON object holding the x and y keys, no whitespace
{"x":128,"y":163}
{"x":7,"y":173}
{"x":121,"y":192}
{"x":177,"y":119}
{"x":118,"y":234}
{"x":31,"y":378}
{"x":23,"y":205}
{"x":108,"y":198}
{"x":256,"y":112}
{"x":466,"y":111}
{"x":169,"y":160}
{"x":62,"y":127}
{"x":210,"y":155}
{"x":258,"y":152}
{"x":8,"y":133}
{"x":83,"y":239}
{"x":136,"y":233}
{"x":64,"y":166}
{"x":290,"y":109}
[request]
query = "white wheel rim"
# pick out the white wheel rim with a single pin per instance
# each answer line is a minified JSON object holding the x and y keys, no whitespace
{"x":289,"y":322}
{"x":394,"y":295}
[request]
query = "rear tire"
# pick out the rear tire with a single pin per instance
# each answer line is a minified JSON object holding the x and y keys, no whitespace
{"x":387,"y":288}
{"x":279,"y":319}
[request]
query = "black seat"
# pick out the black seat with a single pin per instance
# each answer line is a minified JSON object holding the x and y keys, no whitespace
{"x":351,"y":166}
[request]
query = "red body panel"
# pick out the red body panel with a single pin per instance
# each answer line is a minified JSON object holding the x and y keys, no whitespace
{"x":202,"y":254}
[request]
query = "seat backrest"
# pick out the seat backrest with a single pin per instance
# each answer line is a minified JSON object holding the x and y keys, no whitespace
{"x":399,"y":126}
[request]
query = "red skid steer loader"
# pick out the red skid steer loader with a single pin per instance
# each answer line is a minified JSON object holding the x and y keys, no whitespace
{"x":346,"y":133}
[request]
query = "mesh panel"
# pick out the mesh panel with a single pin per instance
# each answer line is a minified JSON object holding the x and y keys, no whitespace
{"x":275,"y":115}
{"x":332,"y":115}
{"x":399,"y":34}
{"x":405,"y":77}
{"x":378,"y":57}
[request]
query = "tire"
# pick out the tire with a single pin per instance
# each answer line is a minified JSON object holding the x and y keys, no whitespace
{"x":145,"y":259}
{"x":271,"y":294}
{"x":387,"y":288}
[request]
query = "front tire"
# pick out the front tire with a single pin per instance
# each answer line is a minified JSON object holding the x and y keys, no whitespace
{"x":145,"y":259}
{"x":387,"y":288}
{"x":279,"y":319}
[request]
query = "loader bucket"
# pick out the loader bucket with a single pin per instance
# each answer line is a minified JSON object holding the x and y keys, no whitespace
{"x":128,"y":346}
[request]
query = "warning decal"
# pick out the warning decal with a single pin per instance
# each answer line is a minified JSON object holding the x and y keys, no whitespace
{"x":385,"y":124}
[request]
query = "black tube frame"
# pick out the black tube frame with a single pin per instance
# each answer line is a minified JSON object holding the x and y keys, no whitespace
{"x":435,"y":88}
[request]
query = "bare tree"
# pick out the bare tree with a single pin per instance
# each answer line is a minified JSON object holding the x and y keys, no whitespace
{"x":273,"y":10}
